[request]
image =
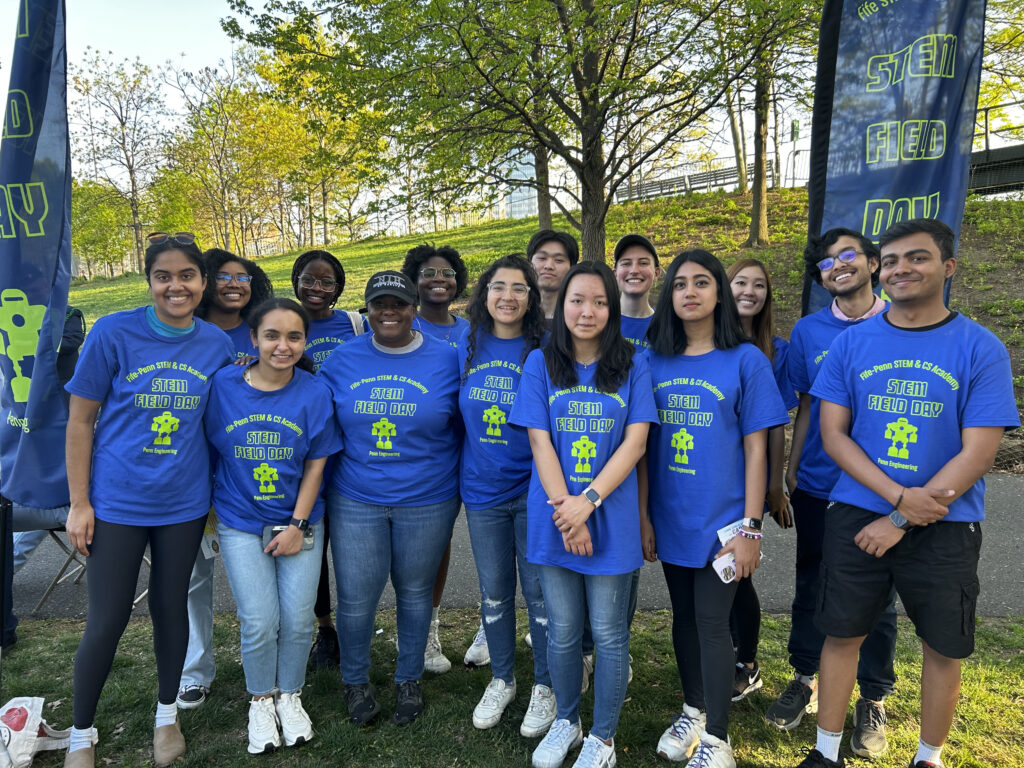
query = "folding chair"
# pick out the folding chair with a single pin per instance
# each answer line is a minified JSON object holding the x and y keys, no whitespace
{"x":74,"y":568}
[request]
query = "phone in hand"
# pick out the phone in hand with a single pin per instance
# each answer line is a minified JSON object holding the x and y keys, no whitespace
{"x":270,"y":531}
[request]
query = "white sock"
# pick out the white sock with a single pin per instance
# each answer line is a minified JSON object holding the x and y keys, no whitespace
{"x":80,"y":738}
{"x":166,"y":714}
{"x":828,"y":743}
{"x":433,"y":613}
{"x":805,"y":679}
{"x":928,"y":753}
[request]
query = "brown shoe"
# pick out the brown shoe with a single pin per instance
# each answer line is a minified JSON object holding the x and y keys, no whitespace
{"x":80,"y":758}
{"x":168,"y":744}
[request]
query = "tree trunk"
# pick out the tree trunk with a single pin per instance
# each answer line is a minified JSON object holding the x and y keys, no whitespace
{"x":739,"y":150}
{"x":137,"y":231}
{"x":323,"y":203}
{"x":776,"y":182}
{"x":759,"y":200}
{"x":592,"y":203}
{"x":542,"y":173}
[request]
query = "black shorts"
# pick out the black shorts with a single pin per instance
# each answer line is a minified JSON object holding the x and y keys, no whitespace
{"x":934,"y":569}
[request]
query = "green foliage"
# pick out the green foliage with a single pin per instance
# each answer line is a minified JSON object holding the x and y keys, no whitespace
{"x":100,"y":237}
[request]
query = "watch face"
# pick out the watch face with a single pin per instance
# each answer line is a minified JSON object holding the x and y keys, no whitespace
{"x":592,"y":495}
{"x":753,"y":523}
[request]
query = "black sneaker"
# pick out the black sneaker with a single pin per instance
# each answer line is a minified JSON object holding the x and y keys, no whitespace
{"x":362,"y":703}
{"x":408,"y":702}
{"x":788,"y":710}
{"x":815,"y":759}
{"x":745,"y":681}
{"x":325,"y":653}
{"x":191,"y":696}
{"x":925,"y":764}
{"x":868,"y":739}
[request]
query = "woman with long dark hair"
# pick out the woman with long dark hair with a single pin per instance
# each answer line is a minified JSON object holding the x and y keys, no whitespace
{"x":271,"y":426}
{"x":707,"y":469}
{"x":139,"y":474}
{"x":505,"y":324}
{"x":587,"y":404}
{"x":234,"y":286}
{"x":751,"y":286}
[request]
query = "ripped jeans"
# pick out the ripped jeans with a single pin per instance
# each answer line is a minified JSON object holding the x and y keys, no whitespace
{"x":498,"y":536}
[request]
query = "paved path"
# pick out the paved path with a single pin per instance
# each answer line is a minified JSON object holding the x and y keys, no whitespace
{"x":1002,"y":577}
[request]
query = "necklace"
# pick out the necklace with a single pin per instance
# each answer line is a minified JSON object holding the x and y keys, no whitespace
{"x":588,"y":363}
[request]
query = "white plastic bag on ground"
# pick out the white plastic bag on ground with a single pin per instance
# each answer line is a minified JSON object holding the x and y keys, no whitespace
{"x":24,"y":733}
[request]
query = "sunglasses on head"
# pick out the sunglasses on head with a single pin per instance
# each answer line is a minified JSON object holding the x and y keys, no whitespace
{"x":179,"y":238}
{"x":846,"y":256}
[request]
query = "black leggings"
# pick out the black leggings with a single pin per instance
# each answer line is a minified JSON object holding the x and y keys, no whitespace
{"x":745,"y":621}
{"x":700,"y":636}
{"x":113,"y":571}
{"x":322,"y":606}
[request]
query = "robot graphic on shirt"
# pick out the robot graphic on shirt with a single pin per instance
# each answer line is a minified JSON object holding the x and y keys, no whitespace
{"x":902,"y":432}
{"x":584,"y":450}
{"x":163,"y":425}
{"x":682,"y":441}
{"x":494,"y":418}
{"x":266,"y":474}
{"x":384,"y":430}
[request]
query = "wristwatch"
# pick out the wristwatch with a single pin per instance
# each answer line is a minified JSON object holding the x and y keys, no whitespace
{"x":753,"y":523}
{"x":899,"y":520}
{"x":593,"y":497}
{"x":302,"y":525}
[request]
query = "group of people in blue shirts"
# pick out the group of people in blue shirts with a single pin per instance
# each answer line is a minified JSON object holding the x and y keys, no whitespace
{"x":583,"y":431}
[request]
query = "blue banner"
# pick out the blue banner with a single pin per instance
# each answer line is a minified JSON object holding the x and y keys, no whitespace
{"x":895,"y":100}
{"x":35,"y":259}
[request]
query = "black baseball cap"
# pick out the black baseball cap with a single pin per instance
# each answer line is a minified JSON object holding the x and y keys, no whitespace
{"x":634,"y":239}
{"x":391,"y":283}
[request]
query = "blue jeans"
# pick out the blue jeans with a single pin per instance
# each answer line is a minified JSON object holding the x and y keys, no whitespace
{"x":275,"y":598}
{"x":607,"y":598}
{"x":498,"y":536}
{"x":875,"y":674}
{"x":370,"y":542}
{"x":30,"y":527}
{"x":199,"y":667}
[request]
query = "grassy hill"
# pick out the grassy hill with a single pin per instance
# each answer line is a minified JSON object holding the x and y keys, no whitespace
{"x":987,"y":286}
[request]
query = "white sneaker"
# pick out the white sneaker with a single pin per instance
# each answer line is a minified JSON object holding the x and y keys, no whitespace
{"x":540,"y":714}
{"x":528,"y":638}
{"x":595,"y":754}
{"x":712,"y":753}
{"x":296,"y":727}
{"x":682,"y":737}
{"x":492,"y":704}
{"x":264,"y":735}
{"x":588,"y":670}
{"x":560,"y":738}
{"x":478,"y":654}
{"x":433,"y":660}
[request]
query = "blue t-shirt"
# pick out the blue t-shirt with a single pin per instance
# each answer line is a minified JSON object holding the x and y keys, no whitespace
{"x":910,"y":393}
{"x":696,"y":466}
{"x":634,"y":330}
{"x":450,"y":334}
{"x":262,"y":441}
{"x":399,"y":414}
{"x":808,"y":345}
{"x":325,"y":335}
{"x":150,"y":462}
{"x":241,"y":340}
{"x":586,"y":426}
{"x":789,"y":398}
{"x":496,"y":456}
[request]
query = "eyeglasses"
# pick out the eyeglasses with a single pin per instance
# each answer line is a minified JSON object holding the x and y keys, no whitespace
{"x":327,"y":283}
{"x":845,"y":256}
{"x":429,"y":272}
{"x":180,"y":238}
{"x":224,"y":277}
{"x":518,"y":289}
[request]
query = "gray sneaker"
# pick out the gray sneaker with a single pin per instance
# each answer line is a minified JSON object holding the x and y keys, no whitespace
{"x":788,"y":710}
{"x":868,"y":739}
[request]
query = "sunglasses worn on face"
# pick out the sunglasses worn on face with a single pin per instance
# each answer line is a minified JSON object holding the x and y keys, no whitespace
{"x":223,"y":277}
{"x":846,"y":256}
{"x":179,"y":238}
{"x":429,"y":272}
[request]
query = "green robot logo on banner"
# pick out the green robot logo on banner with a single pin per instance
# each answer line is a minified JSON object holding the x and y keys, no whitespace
{"x":20,"y":323}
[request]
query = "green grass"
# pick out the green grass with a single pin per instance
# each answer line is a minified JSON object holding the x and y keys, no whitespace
{"x":987,"y":730}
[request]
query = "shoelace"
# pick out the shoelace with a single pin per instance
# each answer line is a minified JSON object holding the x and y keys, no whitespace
{"x":794,"y":692}
{"x":875,"y":714}
{"x":481,"y":637}
{"x":265,"y":715}
{"x":702,"y":757}
{"x":537,"y":702}
{"x":292,"y":707}
{"x":682,"y":724}
{"x":590,"y":754}
{"x":493,"y":694}
{"x":561,"y":731}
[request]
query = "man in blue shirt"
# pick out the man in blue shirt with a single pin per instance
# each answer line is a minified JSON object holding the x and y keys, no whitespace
{"x":636,"y":271}
{"x":552,"y":254}
{"x":846,"y":264}
{"x":914,"y":403}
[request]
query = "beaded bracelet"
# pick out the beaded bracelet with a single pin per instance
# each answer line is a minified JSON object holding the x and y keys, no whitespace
{"x":750,"y":535}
